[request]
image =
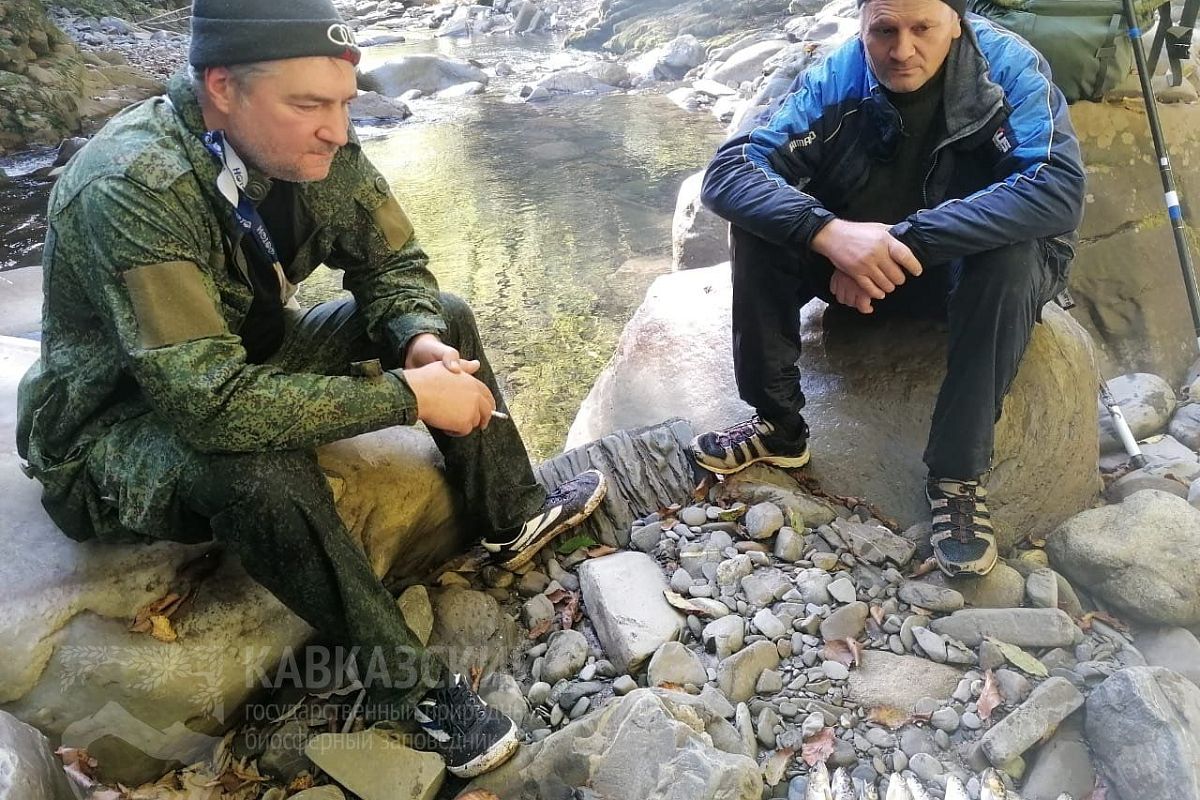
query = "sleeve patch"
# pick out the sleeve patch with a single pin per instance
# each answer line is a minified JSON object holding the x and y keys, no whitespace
{"x":171,"y":304}
{"x":392,"y":220}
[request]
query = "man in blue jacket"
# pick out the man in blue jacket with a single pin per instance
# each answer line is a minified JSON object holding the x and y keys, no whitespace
{"x":927,"y":165}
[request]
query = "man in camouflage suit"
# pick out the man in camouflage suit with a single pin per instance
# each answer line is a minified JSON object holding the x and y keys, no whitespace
{"x":180,"y":395}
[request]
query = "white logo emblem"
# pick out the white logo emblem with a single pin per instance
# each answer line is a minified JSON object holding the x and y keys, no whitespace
{"x":341,"y":35}
{"x":808,"y":139}
{"x":1001,"y":141}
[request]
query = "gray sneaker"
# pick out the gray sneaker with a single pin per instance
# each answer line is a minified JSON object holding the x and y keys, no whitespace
{"x":565,"y":507}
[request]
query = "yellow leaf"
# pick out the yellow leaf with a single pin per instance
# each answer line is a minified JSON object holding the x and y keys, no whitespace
{"x":160,"y":628}
{"x":777,"y":765}
{"x":1020,"y":659}
{"x":890,"y":716}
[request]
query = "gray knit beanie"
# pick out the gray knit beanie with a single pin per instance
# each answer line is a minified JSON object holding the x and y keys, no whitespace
{"x":228,"y":32}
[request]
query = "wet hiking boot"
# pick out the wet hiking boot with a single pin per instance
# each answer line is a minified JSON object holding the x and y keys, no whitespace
{"x":963,"y":541}
{"x":470,"y":736}
{"x":738,"y":446}
{"x":565,"y":507}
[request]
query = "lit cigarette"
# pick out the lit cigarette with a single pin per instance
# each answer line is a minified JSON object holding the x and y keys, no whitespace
{"x":500,"y":415}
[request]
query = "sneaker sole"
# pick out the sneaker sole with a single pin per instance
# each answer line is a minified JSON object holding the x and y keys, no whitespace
{"x":531,"y":549}
{"x":500,"y":752}
{"x":793,"y":462}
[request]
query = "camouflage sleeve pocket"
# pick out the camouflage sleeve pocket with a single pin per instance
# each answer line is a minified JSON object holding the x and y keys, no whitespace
{"x":394,"y":223}
{"x":171,"y":304}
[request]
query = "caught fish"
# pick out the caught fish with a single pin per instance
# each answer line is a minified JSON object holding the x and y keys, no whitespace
{"x":843,"y":787}
{"x":818,"y":784}
{"x":993,"y":787}
{"x":868,"y":792}
{"x":896,"y":789}
{"x":917,"y":790}
{"x":956,"y":791}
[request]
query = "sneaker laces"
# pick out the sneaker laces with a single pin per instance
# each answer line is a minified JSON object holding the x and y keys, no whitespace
{"x":962,"y":509}
{"x":741,"y":432}
{"x":457,"y":708}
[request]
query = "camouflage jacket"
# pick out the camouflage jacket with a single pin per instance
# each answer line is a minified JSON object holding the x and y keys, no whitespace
{"x":145,"y":289}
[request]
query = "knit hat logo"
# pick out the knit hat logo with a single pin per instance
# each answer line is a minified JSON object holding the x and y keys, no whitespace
{"x":341,"y":35}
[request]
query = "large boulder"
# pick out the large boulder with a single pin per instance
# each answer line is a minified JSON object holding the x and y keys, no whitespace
{"x":1143,"y":725}
{"x":75,"y":671}
{"x":425,"y":72}
{"x":41,"y":77}
{"x":29,"y":770}
{"x":699,"y":238}
{"x":1141,"y":557}
{"x":871,"y":390}
{"x":1127,"y":278}
{"x":646,"y":744}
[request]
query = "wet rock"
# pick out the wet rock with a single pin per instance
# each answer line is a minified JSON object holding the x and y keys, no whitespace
{"x":566,"y":656}
{"x":426,"y":72}
{"x":1174,"y":648}
{"x":573,"y":82}
{"x":1047,"y":706}
{"x":623,"y":594}
{"x":848,"y":622}
{"x":746,"y":64}
{"x":1103,"y":551}
{"x":1061,"y":766}
{"x":375,"y":765}
{"x":643,"y":745}
{"x":29,"y":770}
{"x":699,"y":238}
{"x":1147,"y":402}
{"x":738,"y":674}
{"x":887,"y":679}
{"x":928,"y":596}
{"x":1143,"y":725}
{"x":1025,"y":627}
{"x":675,"y":664}
{"x":372,"y":105}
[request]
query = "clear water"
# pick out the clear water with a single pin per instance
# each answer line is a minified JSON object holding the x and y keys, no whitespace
{"x":550,"y":218}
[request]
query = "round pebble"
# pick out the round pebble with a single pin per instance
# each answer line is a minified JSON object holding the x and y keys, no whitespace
{"x":925,"y":766}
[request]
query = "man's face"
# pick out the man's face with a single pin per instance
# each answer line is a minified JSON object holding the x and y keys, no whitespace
{"x":907,"y":41}
{"x":290,"y":120}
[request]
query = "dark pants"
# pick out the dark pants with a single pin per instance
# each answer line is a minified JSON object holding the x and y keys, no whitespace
{"x":991,"y":301}
{"x":276,"y":512}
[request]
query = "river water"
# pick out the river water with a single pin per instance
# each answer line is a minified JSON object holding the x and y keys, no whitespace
{"x":550,"y":218}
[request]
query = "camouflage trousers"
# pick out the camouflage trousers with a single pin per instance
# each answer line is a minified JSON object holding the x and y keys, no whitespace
{"x":275,"y":510}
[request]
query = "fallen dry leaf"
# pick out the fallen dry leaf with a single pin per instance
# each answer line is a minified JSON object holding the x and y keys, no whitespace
{"x":989,"y":697}
{"x":160,"y":628}
{"x":847,"y":652}
{"x":818,"y":747}
{"x":599,"y":551}
{"x":164,"y":606}
{"x":300,"y":783}
{"x":890,"y":716}
{"x":570,"y":611}
{"x":478,"y":794}
{"x":476,"y":677}
{"x":776,"y":766}
{"x":878,"y":614}
{"x":924,"y":568}
{"x":667,"y":516}
{"x":1020,"y":659}
{"x":557,"y":596}
{"x":1085,"y":622}
{"x":700,"y":493}
{"x":541,"y":629}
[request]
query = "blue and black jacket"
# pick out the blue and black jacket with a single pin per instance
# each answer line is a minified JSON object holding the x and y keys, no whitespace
{"x":1008,"y":170}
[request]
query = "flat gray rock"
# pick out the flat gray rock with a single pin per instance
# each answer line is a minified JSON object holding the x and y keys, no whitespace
{"x":376,"y":765}
{"x":642,"y":745}
{"x":928,"y":596}
{"x":737,"y":675}
{"x":886,"y":679}
{"x":1047,"y":706}
{"x":1141,"y":557}
{"x":675,"y":664}
{"x":623,"y":595}
{"x":848,"y":622}
{"x":1143,"y":725}
{"x":1177,"y":649}
{"x":1025,"y":627}
{"x":874,"y":544}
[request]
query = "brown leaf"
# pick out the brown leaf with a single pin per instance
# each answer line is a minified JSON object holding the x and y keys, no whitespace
{"x":300,"y":783}
{"x":160,"y":628}
{"x":776,"y":766}
{"x":989,"y":697}
{"x":890,"y":716}
{"x":80,"y":759}
{"x":600,"y":551}
{"x":878,"y":614}
{"x":476,"y":676}
{"x":478,"y":794}
{"x":164,"y":606}
{"x":700,"y":493}
{"x":570,"y":611}
{"x":924,"y":568}
{"x":557,"y":596}
{"x":667,"y":515}
{"x":541,"y":629}
{"x":1085,"y":622}
{"x":818,"y":747}
{"x":846,"y":652}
